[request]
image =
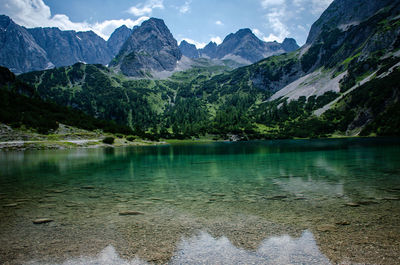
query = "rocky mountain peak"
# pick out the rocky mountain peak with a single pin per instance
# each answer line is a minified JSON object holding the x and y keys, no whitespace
{"x":289,"y":44}
{"x":150,"y":48}
{"x":19,"y":52}
{"x":210,"y":50}
{"x":344,"y":13}
{"x":5,"y":21}
{"x":118,"y":38}
{"x":189,"y":50}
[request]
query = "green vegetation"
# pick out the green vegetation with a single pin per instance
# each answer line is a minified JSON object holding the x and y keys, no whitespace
{"x":20,"y":106}
{"x":218,"y":102}
{"x":131,"y":138}
{"x":207,"y":103}
{"x":108,"y":140}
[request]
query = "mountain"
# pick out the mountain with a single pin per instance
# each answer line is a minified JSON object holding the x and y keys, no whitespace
{"x":209,"y":51}
{"x":289,"y":45}
{"x":20,"y":106}
{"x":189,"y":50}
{"x":68,"y":47}
{"x":118,"y":38}
{"x":242,"y":46}
{"x":19,"y":50}
{"x":150,"y":48}
{"x":24,"y":50}
{"x":344,"y":14}
{"x":344,"y":81}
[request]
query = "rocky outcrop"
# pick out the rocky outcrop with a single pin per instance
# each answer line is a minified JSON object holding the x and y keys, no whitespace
{"x":118,"y":38}
{"x":65,"y":48}
{"x":210,"y":50}
{"x":244,"y":47}
{"x":150,"y":48}
{"x":289,"y":44}
{"x":24,"y":50}
{"x":19,"y":51}
{"x":189,"y":50}
{"x":345,"y":13}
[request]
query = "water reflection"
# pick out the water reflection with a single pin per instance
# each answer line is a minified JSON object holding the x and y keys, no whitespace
{"x":205,"y":249}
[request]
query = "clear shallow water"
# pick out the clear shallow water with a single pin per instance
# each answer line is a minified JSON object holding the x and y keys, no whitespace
{"x":205,"y":203}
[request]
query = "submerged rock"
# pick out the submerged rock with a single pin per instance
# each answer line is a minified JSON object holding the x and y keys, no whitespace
{"x":367,"y":202}
{"x":218,"y":194}
{"x":11,"y":205}
{"x":326,"y":228}
{"x":352,"y":204}
{"x":42,"y":221}
{"x":130,"y":213}
{"x":87,"y":188}
{"x":343,"y":223}
{"x":277,"y":197}
{"x":391,"y":199}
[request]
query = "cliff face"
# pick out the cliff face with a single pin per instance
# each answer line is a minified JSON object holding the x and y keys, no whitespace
{"x":150,"y":48}
{"x":242,"y":46}
{"x":345,"y":13}
{"x":118,"y":38}
{"x":68,"y":47}
{"x":189,"y":50}
{"x":24,"y":50}
{"x":19,"y":51}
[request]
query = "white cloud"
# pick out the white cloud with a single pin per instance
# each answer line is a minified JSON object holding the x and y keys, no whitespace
{"x":185,"y":8}
{"x":317,"y":6}
{"x":275,"y":22}
{"x":320,"y":5}
{"x":146,"y":8}
{"x":270,"y":37}
{"x":199,"y":45}
{"x":219,"y":23}
{"x":217,"y":40}
{"x":270,"y":3}
{"x":302,"y":28}
{"x":258,"y":33}
{"x":107,"y":27}
{"x":35,"y":13}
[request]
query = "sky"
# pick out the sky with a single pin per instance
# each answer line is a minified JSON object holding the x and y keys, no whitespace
{"x":196,"y":21}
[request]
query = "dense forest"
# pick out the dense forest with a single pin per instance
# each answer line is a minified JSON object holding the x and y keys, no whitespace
{"x":221,"y":103}
{"x":21,"y":106}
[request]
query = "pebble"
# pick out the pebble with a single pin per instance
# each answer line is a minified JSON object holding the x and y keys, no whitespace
{"x":11,"y":205}
{"x":367,"y":202}
{"x":391,"y":199}
{"x":87,"y":187}
{"x":277,"y":197}
{"x":352,"y":204}
{"x":42,"y":221}
{"x":326,"y":228}
{"x":343,"y":223}
{"x":130,"y":213}
{"x":58,"y":191}
{"x":218,"y":194}
{"x":22,"y":200}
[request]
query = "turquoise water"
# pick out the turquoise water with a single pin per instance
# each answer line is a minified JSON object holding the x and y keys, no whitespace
{"x":261,"y":202}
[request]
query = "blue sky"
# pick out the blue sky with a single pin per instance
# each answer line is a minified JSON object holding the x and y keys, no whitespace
{"x":197,"y":21}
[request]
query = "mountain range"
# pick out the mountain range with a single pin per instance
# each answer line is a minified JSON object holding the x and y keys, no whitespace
{"x":31,"y":49}
{"x":242,"y":46}
{"x":343,"y":81}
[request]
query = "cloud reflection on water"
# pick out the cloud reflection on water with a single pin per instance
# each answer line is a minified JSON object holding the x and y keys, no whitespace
{"x":205,"y":249}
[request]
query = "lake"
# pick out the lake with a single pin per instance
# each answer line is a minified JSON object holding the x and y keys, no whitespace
{"x":259,"y":202}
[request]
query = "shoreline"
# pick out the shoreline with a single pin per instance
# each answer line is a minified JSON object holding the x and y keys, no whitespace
{"x":62,"y":144}
{"x":7,"y":146}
